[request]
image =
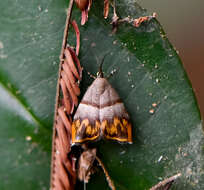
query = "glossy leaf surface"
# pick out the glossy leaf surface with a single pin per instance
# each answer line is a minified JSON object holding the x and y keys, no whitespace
{"x":150,"y":79}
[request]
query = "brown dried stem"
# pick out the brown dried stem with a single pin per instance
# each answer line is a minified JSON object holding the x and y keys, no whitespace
{"x":74,"y":24}
{"x":106,"y":9}
{"x":136,"y":22}
{"x":63,"y":174}
{"x":166,"y":184}
{"x":108,"y":178}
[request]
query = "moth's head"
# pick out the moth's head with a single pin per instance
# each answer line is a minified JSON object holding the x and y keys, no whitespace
{"x":99,"y":74}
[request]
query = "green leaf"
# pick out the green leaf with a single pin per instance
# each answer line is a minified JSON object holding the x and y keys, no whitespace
{"x":149,"y":71}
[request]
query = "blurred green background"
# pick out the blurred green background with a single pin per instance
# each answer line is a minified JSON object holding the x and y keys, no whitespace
{"x":183,"y":22}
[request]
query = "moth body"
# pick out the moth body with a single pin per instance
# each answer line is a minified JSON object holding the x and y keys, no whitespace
{"x":101,"y":114}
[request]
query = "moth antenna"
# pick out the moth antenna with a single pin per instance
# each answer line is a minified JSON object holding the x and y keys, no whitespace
{"x":100,"y":72}
{"x":108,"y":178}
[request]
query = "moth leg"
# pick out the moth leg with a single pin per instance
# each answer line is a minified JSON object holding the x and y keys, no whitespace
{"x":91,"y":76}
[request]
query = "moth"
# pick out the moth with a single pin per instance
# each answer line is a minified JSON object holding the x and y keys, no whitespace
{"x":101,"y":114}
